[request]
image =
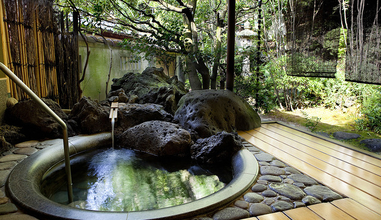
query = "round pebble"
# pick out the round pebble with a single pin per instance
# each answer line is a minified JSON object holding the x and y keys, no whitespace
{"x":310,"y":200}
{"x":299,"y":204}
{"x":271,"y":170}
{"x":271,"y":178}
{"x":269,"y":193}
{"x":277,"y":163}
{"x":280,"y":206}
{"x":300,"y":178}
{"x":241,"y":204}
{"x":258,"y":187}
{"x":230,"y":213}
{"x":253,"y":197}
{"x":290,"y":191}
{"x":268,"y":201}
{"x":30,"y":143}
{"x":259,"y":209}
{"x":264,"y":157}
{"x":292,"y":170}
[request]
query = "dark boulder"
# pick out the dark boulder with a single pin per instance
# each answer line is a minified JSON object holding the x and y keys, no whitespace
{"x":207,"y":112}
{"x":217,"y":149}
{"x":35,"y":121}
{"x":117,"y":96}
{"x":12,"y":134}
{"x":373,"y":144}
{"x":151,"y":86}
{"x":341,"y":135}
{"x":4,"y":145}
{"x":158,"y":138}
{"x":90,"y":116}
{"x":130,"y":115}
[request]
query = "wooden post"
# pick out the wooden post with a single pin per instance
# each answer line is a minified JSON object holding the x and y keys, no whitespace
{"x":258,"y":53}
{"x":231,"y":42}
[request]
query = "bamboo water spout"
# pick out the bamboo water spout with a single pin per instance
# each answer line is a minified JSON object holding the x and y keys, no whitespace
{"x":33,"y":96}
{"x":113,"y":117}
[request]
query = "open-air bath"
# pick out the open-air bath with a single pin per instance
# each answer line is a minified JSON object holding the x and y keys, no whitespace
{"x":27,"y":188}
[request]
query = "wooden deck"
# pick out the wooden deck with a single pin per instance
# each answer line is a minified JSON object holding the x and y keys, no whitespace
{"x":354,"y":174}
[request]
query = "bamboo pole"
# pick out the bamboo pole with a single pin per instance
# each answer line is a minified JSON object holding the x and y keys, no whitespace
{"x":22,"y":43}
{"x":4,"y":42}
{"x":37,"y":46}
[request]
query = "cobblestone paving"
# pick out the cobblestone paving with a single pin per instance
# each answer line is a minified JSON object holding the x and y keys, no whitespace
{"x":278,"y":188}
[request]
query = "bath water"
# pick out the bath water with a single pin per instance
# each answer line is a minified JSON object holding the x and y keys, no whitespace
{"x":118,"y":180}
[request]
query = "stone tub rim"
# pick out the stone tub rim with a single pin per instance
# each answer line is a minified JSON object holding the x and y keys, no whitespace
{"x":23,"y":186}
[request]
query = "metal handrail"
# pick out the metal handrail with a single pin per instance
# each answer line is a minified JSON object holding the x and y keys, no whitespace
{"x":15,"y":79}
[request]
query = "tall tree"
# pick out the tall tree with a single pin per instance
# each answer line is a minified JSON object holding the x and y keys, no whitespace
{"x":195,"y":29}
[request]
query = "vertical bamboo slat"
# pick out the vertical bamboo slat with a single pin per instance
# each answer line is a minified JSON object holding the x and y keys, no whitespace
{"x":5,"y":41}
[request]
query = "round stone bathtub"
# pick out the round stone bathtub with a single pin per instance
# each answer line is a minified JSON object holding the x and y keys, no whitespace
{"x":24,"y":186}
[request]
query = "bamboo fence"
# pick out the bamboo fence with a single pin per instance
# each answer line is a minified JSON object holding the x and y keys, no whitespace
{"x":35,"y":50}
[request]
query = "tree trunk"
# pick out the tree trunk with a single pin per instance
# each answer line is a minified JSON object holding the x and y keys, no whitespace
{"x":217,"y":58}
{"x":194,"y":81}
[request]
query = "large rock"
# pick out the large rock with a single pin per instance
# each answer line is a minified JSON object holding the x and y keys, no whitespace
{"x":158,"y":138}
{"x":130,"y":115}
{"x":12,"y":134}
{"x":340,"y":135}
{"x":152,"y":86}
{"x":91,"y":117}
{"x":373,"y":144}
{"x":4,"y":145}
{"x":35,"y":121}
{"x":217,"y":149}
{"x":207,"y":112}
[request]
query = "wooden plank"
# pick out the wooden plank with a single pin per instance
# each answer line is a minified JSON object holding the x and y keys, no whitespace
{"x":329,"y":212}
{"x":315,"y":151}
{"x":302,"y":214}
{"x":273,"y":216}
{"x":355,"y":209}
{"x":305,"y":154}
{"x":335,"y":151}
{"x":345,"y":150}
{"x":318,"y":174}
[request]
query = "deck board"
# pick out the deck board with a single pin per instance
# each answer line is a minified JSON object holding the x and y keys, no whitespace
{"x":302,"y":214}
{"x":304,"y":153}
{"x":320,"y":144}
{"x":328,"y":144}
{"x":355,"y":209}
{"x":345,"y":164}
{"x":274,"y":216}
{"x":348,"y":172}
{"x":329,"y":212}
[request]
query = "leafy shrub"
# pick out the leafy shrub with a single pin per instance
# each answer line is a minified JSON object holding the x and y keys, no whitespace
{"x":371,"y":110}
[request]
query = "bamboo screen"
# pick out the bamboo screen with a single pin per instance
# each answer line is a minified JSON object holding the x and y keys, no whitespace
{"x":363,"y":60}
{"x":313,"y":38}
{"x":41,"y":51}
{"x":31,"y":52}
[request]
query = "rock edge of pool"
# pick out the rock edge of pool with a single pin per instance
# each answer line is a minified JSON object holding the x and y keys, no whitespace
{"x":23,"y":186}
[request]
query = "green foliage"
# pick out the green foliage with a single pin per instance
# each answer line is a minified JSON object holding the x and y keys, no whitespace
{"x":371,"y":110}
{"x":311,"y":121}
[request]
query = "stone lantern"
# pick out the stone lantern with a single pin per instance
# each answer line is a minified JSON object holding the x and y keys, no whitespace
{"x":244,"y":41}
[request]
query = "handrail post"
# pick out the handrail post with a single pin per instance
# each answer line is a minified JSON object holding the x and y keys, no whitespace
{"x":32,"y":95}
